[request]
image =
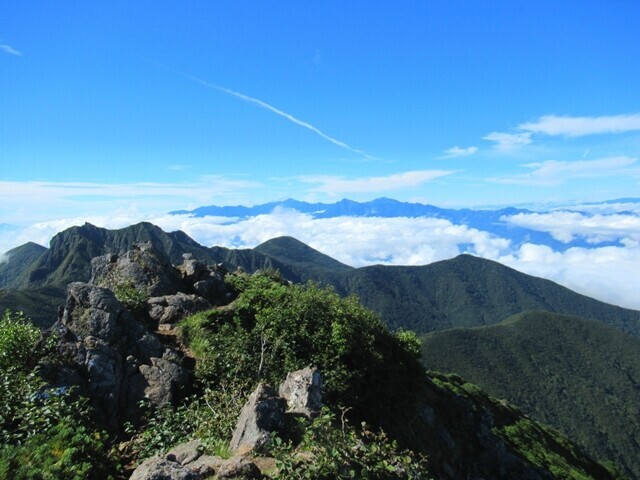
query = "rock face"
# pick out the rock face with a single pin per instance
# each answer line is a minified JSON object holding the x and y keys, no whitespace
{"x":262,"y":414}
{"x":116,"y":357}
{"x":116,"y":360}
{"x":207,"y":280}
{"x":303,"y":392}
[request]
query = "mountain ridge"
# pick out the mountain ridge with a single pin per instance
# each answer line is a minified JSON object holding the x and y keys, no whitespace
{"x":463,"y":291}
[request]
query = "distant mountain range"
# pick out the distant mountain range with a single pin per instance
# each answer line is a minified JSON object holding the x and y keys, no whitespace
{"x":492,"y":221}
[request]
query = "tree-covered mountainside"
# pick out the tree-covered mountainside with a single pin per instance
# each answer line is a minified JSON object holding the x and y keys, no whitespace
{"x":580,"y":376}
{"x":461,"y":292}
{"x":467,"y":291}
{"x":17,"y":263}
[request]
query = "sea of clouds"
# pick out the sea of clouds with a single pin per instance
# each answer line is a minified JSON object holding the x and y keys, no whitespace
{"x":608,"y":273}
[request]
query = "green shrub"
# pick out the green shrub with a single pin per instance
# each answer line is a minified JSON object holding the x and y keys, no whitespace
{"x":131,"y":297}
{"x":209,"y":416}
{"x":410,"y":341}
{"x":67,"y":450}
{"x":21,"y":343}
{"x":274,"y":328}
{"x":331,"y":452}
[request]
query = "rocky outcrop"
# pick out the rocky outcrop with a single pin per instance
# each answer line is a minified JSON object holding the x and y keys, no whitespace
{"x":145,"y":269}
{"x":116,"y":356}
{"x":207,"y":281}
{"x":262,"y":414}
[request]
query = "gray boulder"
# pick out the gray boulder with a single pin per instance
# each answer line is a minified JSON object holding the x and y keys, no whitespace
{"x":302,"y":390}
{"x":159,"y":382}
{"x":184,"y":462}
{"x":91,"y":311}
{"x":158,"y":468}
{"x":239,"y":467}
{"x":186,"y":452}
{"x":207,"y":281}
{"x":262,"y":414}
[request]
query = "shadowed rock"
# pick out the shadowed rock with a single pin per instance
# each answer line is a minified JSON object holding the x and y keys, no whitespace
{"x":262,"y":414}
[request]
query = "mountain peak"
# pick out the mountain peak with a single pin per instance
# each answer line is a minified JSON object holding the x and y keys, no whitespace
{"x":294,"y":251}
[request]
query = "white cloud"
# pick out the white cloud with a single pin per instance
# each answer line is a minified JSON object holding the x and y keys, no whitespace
{"x":566,"y":126}
{"x":554,"y":172}
{"x":606,"y":208}
{"x":580,"y":126}
{"x":10,"y":50}
{"x":507,"y":142}
{"x":332,"y":185}
{"x":455,"y":152}
{"x":609,"y":274}
{"x":566,"y":226}
{"x":355,"y":241}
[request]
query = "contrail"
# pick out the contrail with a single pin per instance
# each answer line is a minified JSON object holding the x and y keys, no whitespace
{"x":271,"y":108}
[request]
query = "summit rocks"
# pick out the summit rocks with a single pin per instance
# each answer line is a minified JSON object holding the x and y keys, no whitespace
{"x":120,"y":354}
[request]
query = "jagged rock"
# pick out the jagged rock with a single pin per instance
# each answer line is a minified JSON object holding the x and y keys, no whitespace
{"x":207,"y":280}
{"x":239,"y":467}
{"x":113,"y":358}
{"x":192,"y":269}
{"x":160,"y":381}
{"x":302,"y":390}
{"x":92,"y":311}
{"x":142,"y":267}
{"x":262,"y":414}
{"x":167,"y":310}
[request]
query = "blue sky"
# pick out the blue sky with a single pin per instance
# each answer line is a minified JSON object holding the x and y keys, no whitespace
{"x":158,"y":106}
{"x":117,"y":112}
